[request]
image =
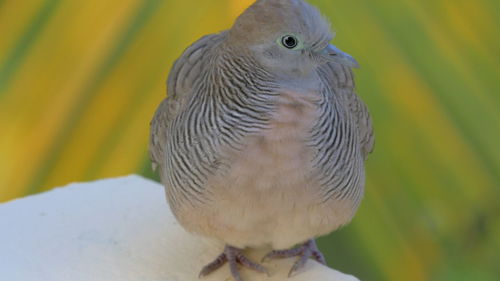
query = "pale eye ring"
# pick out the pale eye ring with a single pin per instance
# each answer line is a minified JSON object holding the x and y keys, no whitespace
{"x":289,"y":41}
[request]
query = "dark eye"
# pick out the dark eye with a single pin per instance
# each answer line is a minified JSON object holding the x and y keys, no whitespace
{"x":289,"y":41}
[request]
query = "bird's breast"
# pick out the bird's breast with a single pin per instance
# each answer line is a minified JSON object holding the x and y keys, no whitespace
{"x":278,"y":156}
{"x":268,"y":194}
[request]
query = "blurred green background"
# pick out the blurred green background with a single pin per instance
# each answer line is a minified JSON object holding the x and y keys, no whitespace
{"x":80,"y":80}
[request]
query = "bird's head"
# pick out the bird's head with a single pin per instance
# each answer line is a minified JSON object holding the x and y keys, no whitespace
{"x":287,"y":36}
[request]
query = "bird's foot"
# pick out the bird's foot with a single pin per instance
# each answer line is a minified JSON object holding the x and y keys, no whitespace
{"x":232,"y":256}
{"x":304,"y":252}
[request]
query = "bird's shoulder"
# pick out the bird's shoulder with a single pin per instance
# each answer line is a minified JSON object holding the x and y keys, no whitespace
{"x":340,"y":79}
{"x":191,"y":64}
{"x":180,"y":84}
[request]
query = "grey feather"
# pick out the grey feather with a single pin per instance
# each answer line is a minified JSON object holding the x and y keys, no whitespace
{"x":341,"y":79}
{"x":259,"y":143}
{"x":181,"y":79}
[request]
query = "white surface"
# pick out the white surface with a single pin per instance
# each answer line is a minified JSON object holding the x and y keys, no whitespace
{"x":115,"y":229}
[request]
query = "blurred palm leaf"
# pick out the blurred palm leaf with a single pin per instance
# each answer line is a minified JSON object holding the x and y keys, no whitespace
{"x":80,"y":80}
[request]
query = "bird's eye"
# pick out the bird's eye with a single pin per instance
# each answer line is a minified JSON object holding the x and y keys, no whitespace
{"x":289,"y":41}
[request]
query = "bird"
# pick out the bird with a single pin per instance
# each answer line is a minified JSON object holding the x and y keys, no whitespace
{"x":262,"y":140}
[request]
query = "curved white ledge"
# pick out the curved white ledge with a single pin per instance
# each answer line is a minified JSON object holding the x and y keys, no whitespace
{"x":115,"y":229}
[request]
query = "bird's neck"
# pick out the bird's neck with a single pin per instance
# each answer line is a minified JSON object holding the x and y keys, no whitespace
{"x":241,"y":74}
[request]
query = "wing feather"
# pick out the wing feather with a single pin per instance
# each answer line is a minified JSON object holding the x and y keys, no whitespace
{"x":341,"y":79}
{"x":181,"y":80}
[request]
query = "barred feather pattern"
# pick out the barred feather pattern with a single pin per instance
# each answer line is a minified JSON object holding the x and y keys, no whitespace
{"x":221,"y":113}
{"x":232,"y":98}
{"x":336,"y":138}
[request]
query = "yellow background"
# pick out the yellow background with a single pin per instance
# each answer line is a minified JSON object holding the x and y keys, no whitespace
{"x":80,"y":80}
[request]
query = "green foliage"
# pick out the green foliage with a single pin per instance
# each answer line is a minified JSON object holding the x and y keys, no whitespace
{"x":80,"y":80}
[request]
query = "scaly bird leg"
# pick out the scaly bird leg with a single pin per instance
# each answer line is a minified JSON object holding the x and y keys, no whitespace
{"x":304,"y":252}
{"x":232,"y":256}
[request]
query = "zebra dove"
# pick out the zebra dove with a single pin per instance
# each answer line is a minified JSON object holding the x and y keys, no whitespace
{"x":262,"y":139}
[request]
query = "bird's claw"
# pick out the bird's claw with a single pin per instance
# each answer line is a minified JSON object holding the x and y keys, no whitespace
{"x":304,"y":252}
{"x":233,"y":256}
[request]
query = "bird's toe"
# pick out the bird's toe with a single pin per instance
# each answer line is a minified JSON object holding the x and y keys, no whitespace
{"x":233,"y":256}
{"x":304,"y":252}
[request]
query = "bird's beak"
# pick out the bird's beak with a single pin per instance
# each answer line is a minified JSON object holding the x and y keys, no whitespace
{"x":334,"y":54}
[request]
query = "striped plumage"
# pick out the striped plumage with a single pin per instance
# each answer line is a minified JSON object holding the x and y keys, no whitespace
{"x":220,"y":111}
{"x":255,"y":153}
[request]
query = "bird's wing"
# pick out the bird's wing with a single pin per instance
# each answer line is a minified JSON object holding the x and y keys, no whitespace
{"x":340,"y":79}
{"x":180,"y":83}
